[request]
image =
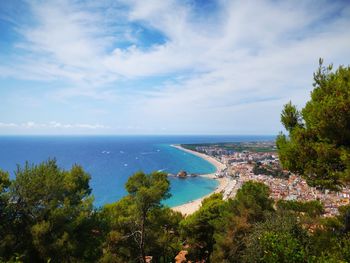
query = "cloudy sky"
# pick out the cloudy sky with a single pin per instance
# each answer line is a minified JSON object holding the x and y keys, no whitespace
{"x":162,"y":67}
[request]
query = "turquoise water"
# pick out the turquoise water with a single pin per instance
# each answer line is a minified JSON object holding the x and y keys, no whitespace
{"x":110,"y":160}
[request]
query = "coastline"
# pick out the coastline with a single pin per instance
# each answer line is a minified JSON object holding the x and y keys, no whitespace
{"x":224,"y":182}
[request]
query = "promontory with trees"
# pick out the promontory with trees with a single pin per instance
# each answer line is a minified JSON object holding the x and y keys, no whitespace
{"x":47,"y":213}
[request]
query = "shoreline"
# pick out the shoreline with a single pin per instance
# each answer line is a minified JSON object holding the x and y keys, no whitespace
{"x":192,"y":206}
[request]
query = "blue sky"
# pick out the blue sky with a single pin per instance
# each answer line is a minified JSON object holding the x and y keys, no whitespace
{"x":162,"y":67}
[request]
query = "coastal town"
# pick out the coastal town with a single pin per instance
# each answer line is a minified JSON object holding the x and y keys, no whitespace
{"x":259,"y":162}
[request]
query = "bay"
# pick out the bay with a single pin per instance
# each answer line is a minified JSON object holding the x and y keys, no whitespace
{"x":110,"y":160}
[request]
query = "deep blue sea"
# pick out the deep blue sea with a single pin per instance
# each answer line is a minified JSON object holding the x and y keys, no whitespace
{"x":110,"y":160}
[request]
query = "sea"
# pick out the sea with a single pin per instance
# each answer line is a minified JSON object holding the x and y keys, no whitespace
{"x":111,"y":160}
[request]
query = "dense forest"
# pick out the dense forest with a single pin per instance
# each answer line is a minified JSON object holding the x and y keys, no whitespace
{"x":47,"y":213}
{"x":318,"y":142}
{"x":47,"y":216}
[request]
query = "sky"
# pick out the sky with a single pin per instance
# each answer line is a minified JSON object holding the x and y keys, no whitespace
{"x":162,"y":67}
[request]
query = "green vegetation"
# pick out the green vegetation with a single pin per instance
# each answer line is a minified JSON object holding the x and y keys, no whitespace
{"x":47,"y":213}
{"x":235,"y":146}
{"x":198,"y":229}
{"x":318,"y":142}
{"x":139,"y":225}
{"x":312,"y":208}
{"x":271,"y":170}
{"x":47,"y":216}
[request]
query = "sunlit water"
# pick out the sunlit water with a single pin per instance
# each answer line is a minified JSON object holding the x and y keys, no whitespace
{"x":110,"y":160}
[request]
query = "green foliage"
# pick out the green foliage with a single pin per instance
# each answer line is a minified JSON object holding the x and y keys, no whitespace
{"x":291,"y":117}
{"x":280,"y":238}
{"x":5,"y":215}
{"x":49,"y":215}
{"x":278,"y":247}
{"x":312,"y":208}
{"x":270,"y":170}
{"x":234,"y":146}
{"x":344,"y":245}
{"x":328,"y":111}
{"x":250,"y":205}
{"x":318,"y":145}
{"x":4,"y":185}
{"x":148,"y":190}
{"x":163,"y":236}
{"x":344,"y":218}
{"x":252,"y":201}
{"x":119,"y":245}
{"x":139,"y":224}
{"x":198,"y":229}
{"x":331,"y":240}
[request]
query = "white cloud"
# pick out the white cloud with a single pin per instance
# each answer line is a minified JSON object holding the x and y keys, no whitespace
{"x":65,"y":42}
{"x":91,"y":126}
{"x":262,"y":53}
{"x":7,"y":125}
{"x":53,"y":125}
{"x":75,"y":44}
{"x":240,"y":60}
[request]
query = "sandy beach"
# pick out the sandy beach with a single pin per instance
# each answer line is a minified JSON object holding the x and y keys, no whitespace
{"x":224,"y":183}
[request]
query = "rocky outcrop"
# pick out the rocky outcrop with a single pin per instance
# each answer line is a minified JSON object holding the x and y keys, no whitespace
{"x":182,"y":174}
{"x":181,"y":257}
